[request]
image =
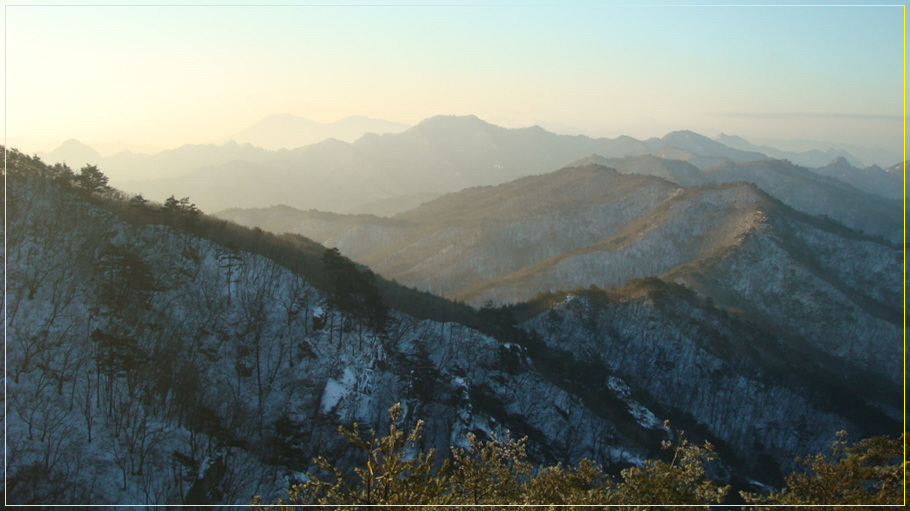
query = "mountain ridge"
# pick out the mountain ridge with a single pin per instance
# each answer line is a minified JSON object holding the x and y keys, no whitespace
{"x":440,"y":155}
{"x":288,"y":131}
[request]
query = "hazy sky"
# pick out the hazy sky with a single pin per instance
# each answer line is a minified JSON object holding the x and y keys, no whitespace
{"x":165,"y":76}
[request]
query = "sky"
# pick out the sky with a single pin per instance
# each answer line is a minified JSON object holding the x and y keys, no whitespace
{"x":166,"y":76}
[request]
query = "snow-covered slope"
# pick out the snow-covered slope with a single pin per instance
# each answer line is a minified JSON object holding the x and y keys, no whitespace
{"x":158,"y":358}
{"x":757,"y":394}
{"x":589,"y":225}
{"x":482,"y":234}
{"x":145,"y":363}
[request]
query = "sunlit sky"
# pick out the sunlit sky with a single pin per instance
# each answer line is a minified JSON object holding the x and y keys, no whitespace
{"x":165,"y":76}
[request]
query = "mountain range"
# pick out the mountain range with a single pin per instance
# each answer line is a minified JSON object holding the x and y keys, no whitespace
{"x":161,"y":356}
{"x":809,"y":153}
{"x":389,"y":173}
{"x":885,"y":182}
{"x":579,"y":293}
{"x":290,"y":131}
{"x":591,"y":225}
{"x":509,"y":242}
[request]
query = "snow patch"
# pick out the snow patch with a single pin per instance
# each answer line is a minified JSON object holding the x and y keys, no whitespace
{"x":336,"y":390}
{"x":642,"y":415}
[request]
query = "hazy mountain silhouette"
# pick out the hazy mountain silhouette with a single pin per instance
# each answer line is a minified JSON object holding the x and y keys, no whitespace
{"x":706,"y":152}
{"x":897,"y":168}
{"x":676,"y":171}
{"x":887,"y":183}
{"x":74,"y":153}
{"x":688,"y":146}
{"x":809,"y":158}
{"x":288,"y":131}
{"x":440,"y":155}
{"x":392,"y":172}
{"x":814,"y":153}
{"x":806,"y":191}
{"x":175,"y":163}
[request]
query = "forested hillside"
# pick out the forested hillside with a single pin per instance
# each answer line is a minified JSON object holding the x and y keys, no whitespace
{"x":156,"y":355}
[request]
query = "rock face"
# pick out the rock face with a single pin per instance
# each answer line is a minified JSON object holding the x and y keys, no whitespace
{"x":156,"y":357}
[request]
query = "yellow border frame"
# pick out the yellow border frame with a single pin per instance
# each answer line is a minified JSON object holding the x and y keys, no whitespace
{"x":5,"y":149}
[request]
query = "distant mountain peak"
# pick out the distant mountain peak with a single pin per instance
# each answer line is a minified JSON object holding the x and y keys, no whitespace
{"x":685,"y":134}
{"x":74,"y":153}
{"x":701,"y":145}
{"x":896,"y":168}
{"x":72,"y":143}
{"x":290,"y":131}
{"x":725,"y":138}
{"x":840,"y":161}
{"x":330,"y":142}
{"x":737,"y":142}
{"x":452,"y":120}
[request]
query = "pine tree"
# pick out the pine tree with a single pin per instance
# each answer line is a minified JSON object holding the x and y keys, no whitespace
{"x":92,"y":181}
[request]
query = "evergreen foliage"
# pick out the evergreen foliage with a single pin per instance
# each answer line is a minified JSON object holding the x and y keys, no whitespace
{"x":124,"y":278}
{"x":183,"y":209}
{"x":92,"y":181}
{"x":354,"y":292}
